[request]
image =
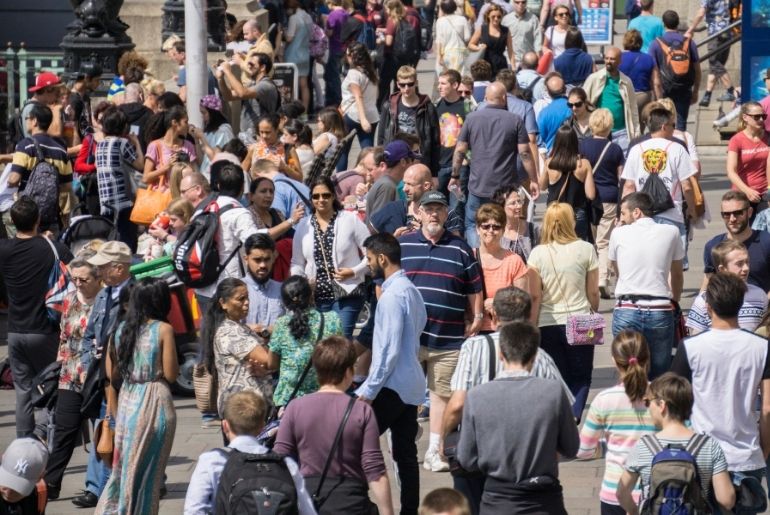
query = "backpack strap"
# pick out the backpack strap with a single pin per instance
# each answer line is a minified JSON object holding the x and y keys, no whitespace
{"x":337,"y":438}
{"x":492,"y":360}
{"x":224,"y":451}
{"x":294,"y":187}
{"x":38,"y":151}
{"x":697,"y":441}
{"x":532,"y":84}
{"x":652,"y":443}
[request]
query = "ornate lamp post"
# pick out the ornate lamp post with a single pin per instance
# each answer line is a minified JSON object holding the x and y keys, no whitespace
{"x":173,"y":22}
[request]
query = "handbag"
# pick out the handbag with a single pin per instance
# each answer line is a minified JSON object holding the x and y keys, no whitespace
{"x":46,"y":385}
{"x":205,"y":387}
{"x":149,"y":202}
{"x":58,"y":285}
{"x":583,"y":329}
{"x":93,"y":389}
{"x":104,"y":436}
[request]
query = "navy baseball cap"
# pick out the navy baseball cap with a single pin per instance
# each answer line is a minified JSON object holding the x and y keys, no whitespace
{"x":397,"y":150}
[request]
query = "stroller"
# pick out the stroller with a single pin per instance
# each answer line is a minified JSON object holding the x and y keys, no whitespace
{"x":84,"y":228}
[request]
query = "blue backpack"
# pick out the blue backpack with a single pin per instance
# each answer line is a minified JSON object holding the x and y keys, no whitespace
{"x":674,"y":480}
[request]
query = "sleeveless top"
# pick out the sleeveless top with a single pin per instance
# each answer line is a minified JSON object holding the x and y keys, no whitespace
{"x":496,"y":48}
{"x":574,"y":194}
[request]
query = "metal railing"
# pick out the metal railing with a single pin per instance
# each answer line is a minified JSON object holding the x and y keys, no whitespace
{"x":723,"y":46}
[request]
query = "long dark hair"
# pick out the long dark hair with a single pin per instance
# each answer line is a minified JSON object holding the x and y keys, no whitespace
{"x":150,"y":300}
{"x":565,"y":153}
{"x":214,"y":317}
{"x":216,"y":120}
{"x":297,"y":297}
{"x":326,"y":181}
{"x":362,"y":59}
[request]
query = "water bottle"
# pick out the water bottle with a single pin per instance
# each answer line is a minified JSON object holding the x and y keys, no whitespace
{"x":455,"y":190}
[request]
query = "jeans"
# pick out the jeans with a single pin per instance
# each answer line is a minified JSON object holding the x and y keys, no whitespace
{"x":67,"y":423}
{"x":347,"y":308}
{"x":583,"y":226}
{"x":681,"y":98}
{"x":575,"y":363}
{"x":98,"y":472}
{"x":333,"y":94}
{"x":657,"y":326}
{"x":29,"y":354}
{"x":621,"y":138}
{"x":365,"y":139}
{"x":603,"y":232}
{"x":471,"y":206}
{"x":401,"y":419}
{"x":682,"y":236}
{"x":127,"y":230}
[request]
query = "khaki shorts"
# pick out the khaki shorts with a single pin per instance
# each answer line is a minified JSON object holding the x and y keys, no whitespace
{"x":440,"y":365}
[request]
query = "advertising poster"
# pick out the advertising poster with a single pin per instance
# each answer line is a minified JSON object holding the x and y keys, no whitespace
{"x":286,"y":78}
{"x":596,"y":24}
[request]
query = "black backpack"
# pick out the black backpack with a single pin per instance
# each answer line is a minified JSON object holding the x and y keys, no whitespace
{"x":654,"y":162}
{"x":257,"y":484}
{"x":43,"y":187}
{"x":196,"y":255}
{"x":527,"y":94}
{"x":406,"y":43}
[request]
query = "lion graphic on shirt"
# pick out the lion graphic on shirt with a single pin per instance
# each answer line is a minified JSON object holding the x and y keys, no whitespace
{"x":654,"y":160}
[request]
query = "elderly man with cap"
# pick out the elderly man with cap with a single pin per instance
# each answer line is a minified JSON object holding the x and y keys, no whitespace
{"x":397,"y":157}
{"x":442,"y":267}
{"x":112,"y":263}
{"x":23,"y":465}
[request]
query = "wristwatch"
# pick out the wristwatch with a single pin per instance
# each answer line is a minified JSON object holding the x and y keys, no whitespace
{"x":478,"y":316}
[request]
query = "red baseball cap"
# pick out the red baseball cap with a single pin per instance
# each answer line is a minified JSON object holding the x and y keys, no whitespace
{"x":45,"y":79}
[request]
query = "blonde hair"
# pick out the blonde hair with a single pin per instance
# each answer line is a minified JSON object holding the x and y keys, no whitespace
{"x":170,"y":42}
{"x":406,"y":72}
{"x":601,"y":121}
{"x":153,"y":87}
{"x":668,"y":105}
{"x":181,"y":208}
{"x":245,"y":412}
{"x":558,"y":224}
{"x":395,"y":10}
{"x":744,"y":110}
{"x":175,"y":178}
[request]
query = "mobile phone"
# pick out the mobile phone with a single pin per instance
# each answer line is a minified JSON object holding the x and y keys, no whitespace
{"x":134,"y":129}
{"x":182,"y":157}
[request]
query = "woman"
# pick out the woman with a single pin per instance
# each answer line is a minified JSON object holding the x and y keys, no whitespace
{"x":569,"y":178}
{"x":359,"y":99}
{"x":293,"y":339}
{"x":327,"y":249}
{"x":495,"y":39}
{"x":216,"y":132}
{"x":747,"y":155}
{"x":331,"y":132}
{"x":308,"y":428}
{"x":85,"y":162}
{"x":130,"y":63}
{"x":396,"y":14}
{"x":179,"y":212}
{"x":499,"y":267}
{"x":606,"y":159}
{"x":266,"y":218}
{"x":453,"y":32}
{"x":297,"y":49}
{"x":144,"y":357}
{"x":269,"y":146}
{"x":72,"y":351}
{"x":552,"y":6}
{"x":639,"y":67}
{"x":153,"y":89}
{"x":618,"y":415}
{"x":299,"y":136}
{"x":565,"y":282}
{"x":581,"y":112}
{"x":519,"y":235}
{"x":555,"y":35}
{"x":173,"y":147}
{"x":230,"y":348}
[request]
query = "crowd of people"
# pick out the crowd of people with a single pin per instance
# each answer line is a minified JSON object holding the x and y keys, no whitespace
{"x":357,"y":293}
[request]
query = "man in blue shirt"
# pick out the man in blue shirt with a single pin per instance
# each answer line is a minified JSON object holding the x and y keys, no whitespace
{"x":396,"y":383}
{"x":648,"y":25}
{"x":288,"y":192}
{"x":555,"y":113}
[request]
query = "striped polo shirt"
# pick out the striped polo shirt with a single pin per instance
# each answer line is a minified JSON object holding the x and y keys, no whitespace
{"x":25,"y":157}
{"x":445,"y":274}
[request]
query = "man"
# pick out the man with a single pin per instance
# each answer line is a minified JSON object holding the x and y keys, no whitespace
{"x":23,"y":465}
{"x":265,"y":304}
{"x":397,"y":157}
{"x":195,"y":188}
{"x":574,"y":64}
{"x":288,"y":192}
{"x":25,"y":264}
{"x":729,"y":369}
{"x":544,"y":425}
{"x":402,"y":216}
{"x":45,"y":92}
{"x":643,"y":291}
{"x":451,"y":110}
{"x":510,"y":304}
{"x":346,"y":183}
{"x":176,"y":52}
{"x":335,"y":21}
{"x":524,"y":26}
{"x":79,"y":102}
{"x":736,"y":212}
{"x":258,"y":97}
{"x":671,"y":163}
{"x":244,"y":415}
{"x":137,"y":113}
{"x":531,"y":83}
{"x":612,"y":89}
{"x":445,"y":272}
{"x":555,"y":113}
{"x":444,"y":501}
{"x":395,"y":385}
{"x":717,"y":14}
{"x":254,"y":39}
{"x":496,"y":137}
{"x":38,"y":122}
{"x":411,"y":112}
{"x":683,"y":91}
{"x":648,"y":25}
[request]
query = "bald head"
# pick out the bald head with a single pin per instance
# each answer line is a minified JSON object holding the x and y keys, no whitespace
{"x":418,"y":172}
{"x":554,"y":83}
{"x":495,"y":94}
{"x":251,"y":30}
{"x":134,"y":93}
{"x":612,"y":59}
{"x":417,"y":180}
{"x":529,"y":61}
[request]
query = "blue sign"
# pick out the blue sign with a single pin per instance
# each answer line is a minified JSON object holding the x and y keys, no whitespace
{"x":596,"y":22}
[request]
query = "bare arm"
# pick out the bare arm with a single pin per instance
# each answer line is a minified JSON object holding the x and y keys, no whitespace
{"x":236,"y":87}
{"x":657,"y":85}
{"x":527,"y":159}
{"x":461,"y":149}
{"x":511,"y":55}
{"x":629,"y":187}
{"x":592,"y":288}
{"x":543,"y":180}
{"x":589,"y":185}
{"x":535,"y":294}
{"x":689,"y":196}
{"x":381,"y":493}
{"x":522,"y":282}
{"x":544,"y":12}
{"x":764,"y":420}
{"x":453,"y":413}
{"x":473,"y":44}
{"x":625,"y":487}
{"x":724,"y":490}
{"x":138,"y":163}
{"x":168,"y":348}
{"x":677,"y":279}
{"x":151,"y":173}
{"x":696,"y":84}
{"x":699,"y":15}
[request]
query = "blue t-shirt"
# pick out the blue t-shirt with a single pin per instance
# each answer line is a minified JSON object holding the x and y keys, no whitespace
{"x":638,"y":67}
{"x":606,"y":174}
{"x":758,"y":246}
{"x":650,"y":27}
{"x":550,"y":119}
{"x":574,"y":65}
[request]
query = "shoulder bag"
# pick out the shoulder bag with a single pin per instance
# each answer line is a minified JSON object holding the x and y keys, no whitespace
{"x":151,"y":200}
{"x":339,"y":291}
{"x":595,"y":208}
{"x":317,"y":499}
{"x":205,"y":387}
{"x":583,"y":329}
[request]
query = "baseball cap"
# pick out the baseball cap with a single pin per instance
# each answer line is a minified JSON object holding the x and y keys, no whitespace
{"x":433,"y":197}
{"x":23,"y":464}
{"x":43,"y":80}
{"x":397,"y":150}
{"x":111,"y":252}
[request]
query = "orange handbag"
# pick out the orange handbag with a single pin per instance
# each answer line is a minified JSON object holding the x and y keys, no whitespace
{"x":149,"y":202}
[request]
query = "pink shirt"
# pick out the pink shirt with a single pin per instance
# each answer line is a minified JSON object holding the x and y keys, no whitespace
{"x":752,"y":160}
{"x":511,"y":268}
{"x":765,"y":103}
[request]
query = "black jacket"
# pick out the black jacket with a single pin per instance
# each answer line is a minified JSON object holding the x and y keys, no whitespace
{"x":427,"y":128}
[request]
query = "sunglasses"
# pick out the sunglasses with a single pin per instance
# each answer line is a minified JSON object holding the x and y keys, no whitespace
{"x":575,"y":105}
{"x":561,"y":15}
{"x":319,"y":196}
{"x":405,"y":84}
{"x":757,"y":117}
{"x":737,"y":213}
{"x":647,"y":402}
{"x":465,"y":93}
{"x":490,"y":227}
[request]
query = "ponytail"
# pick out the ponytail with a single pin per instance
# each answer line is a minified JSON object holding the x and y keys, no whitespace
{"x":632,"y":357}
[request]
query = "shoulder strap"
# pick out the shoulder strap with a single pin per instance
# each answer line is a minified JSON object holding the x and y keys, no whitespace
{"x":477,"y":255}
{"x":224,"y":451}
{"x":38,"y":151}
{"x":53,"y":247}
{"x":652,"y":443}
{"x":309,"y":364}
{"x":696,"y":442}
{"x":336,"y":444}
{"x":532,"y":84}
{"x":601,"y":156}
{"x":492,"y":360}
{"x":294,"y":187}
{"x":564,"y":187}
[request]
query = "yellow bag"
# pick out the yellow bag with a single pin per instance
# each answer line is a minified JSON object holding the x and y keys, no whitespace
{"x":700,"y":202}
{"x":149,"y":202}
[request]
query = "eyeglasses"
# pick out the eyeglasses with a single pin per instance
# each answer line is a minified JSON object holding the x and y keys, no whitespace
{"x":520,"y":2}
{"x":575,"y":105}
{"x":647,"y":402}
{"x":515,"y":203}
{"x":737,"y":213}
{"x":757,"y":117}
{"x":465,"y":93}
{"x":561,"y":15}
{"x":188,"y":189}
{"x":406,"y":84}
{"x":490,"y":227}
{"x":319,"y":196}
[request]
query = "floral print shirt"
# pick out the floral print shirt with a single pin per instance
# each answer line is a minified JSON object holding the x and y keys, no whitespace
{"x":71,"y":350}
{"x":323,"y":251}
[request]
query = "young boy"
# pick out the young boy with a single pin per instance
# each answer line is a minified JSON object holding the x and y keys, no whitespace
{"x":444,"y":501}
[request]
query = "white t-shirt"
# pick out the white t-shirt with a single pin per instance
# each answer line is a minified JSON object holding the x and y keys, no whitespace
{"x":749,"y":317}
{"x":643,"y":267}
{"x":666,"y":158}
{"x":369,"y":92}
{"x":453,"y":31}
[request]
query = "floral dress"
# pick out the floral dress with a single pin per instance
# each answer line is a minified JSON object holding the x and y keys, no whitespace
{"x":73,"y":324}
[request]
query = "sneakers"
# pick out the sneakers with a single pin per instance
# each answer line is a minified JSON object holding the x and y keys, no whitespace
{"x":727,"y":96}
{"x":213,"y":423}
{"x":86,"y":500}
{"x":423,"y":413}
{"x":434,"y":463}
{"x":706,"y":100}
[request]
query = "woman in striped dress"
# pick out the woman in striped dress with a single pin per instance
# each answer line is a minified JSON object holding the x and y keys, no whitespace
{"x":619,"y":416}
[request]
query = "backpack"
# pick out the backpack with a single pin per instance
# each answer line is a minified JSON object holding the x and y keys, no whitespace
{"x":406,"y":43}
{"x":196,"y":255}
{"x":527,"y":94}
{"x":319,"y":44}
{"x":654,"y":161}
{"x":674,"y":483}
{"x":366,"y":36}
{"x":16,"y":126}
{"x":43,"y":187}
{"x":258,"y":484}
{"x":676,"y":70}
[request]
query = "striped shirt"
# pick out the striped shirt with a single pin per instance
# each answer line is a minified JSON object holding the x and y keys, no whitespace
{"x":25,"y":158}
{"x":444,"y":274}
{"x":749,"y":316}
{"x":113,"y":173}
{"x":614,"y":418}
{"x":473,"y":365}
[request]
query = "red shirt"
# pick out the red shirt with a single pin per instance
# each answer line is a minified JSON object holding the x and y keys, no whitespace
{"x":752,"y":160}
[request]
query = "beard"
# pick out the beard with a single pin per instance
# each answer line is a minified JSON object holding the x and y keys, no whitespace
{"x":377,"y":272}
{"x":257,"y":279}
{"x":434,"y":229}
